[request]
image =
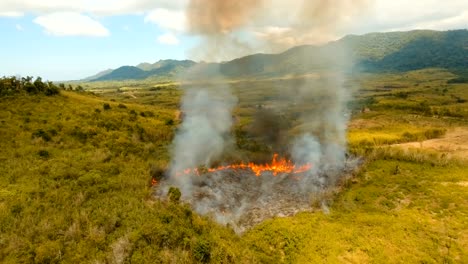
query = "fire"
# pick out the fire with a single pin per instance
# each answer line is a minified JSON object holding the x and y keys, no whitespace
{"x":154,"y":182}
{"x":276,"y":166}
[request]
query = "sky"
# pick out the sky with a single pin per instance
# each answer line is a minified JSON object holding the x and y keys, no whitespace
{"x":74,"y":39}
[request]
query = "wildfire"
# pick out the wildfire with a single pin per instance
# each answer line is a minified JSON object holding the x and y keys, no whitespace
{"x":154,"y":182}
{"x":276,"y":166}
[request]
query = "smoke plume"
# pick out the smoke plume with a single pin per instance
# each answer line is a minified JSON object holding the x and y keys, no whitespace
{"x":204,"y":132}
{"x":208,"y":17}
{"x":315,"y":135}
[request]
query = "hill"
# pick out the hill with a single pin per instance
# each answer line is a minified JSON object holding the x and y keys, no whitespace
{"x":75,"y":172}
{"x":98,"y":75}
{"x":392,"y":51}
{"x":401,"y":51}
{"x":162,"y":68}
{"x":75,"y":186}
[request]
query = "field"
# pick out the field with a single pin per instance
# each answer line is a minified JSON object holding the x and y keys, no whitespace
{"x":76,"y":167}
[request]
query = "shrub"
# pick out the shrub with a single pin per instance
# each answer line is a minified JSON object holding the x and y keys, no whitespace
{"x":169,"y":122}
{"x":52,"y":131}
{"x":202,"y":250}
{"x":147,"y":114}
{"x":43,"y":153}
{"x":106,"y":106}
{"x":51,"y":90}
{"x":174,"y":194}
{"x":42,"y":134}
{"x":122,"y":106}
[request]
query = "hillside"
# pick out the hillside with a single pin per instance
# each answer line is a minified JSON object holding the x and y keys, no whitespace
{"x":76,"y":169}
{"x":163,"y":68}
{"x":98,"y":75}
{"x":392,"y":51}
{"x":75,"y":186}
{"x":422,"y":49}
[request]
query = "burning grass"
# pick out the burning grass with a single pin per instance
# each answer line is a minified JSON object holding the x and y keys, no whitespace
{"x":245,"y":194}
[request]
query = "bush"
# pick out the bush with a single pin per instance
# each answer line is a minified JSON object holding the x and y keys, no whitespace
{"x":174,"y":194}
{"x":169,"y":122}
{"x":42,"y":134}
{"x":147,"y":114}
{"x":202,"y":250}
{"x":51,"y":90}
{"x":43,"y":153}
{"x":106,"y":106}
{"x":122,"y":106}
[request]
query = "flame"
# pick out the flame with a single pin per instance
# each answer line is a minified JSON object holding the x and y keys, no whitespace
{"x":154,"y":182}
{"x":277,"y":166}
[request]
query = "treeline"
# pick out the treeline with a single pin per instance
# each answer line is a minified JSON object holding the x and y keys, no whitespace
{"x":20,"y":85}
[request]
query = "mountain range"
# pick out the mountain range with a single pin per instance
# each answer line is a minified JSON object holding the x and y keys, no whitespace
{"x":391,"y":51}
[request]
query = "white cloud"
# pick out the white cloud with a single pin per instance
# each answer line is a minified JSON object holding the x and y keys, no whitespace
{"x":19,"y":27}
{"x":167,"y":19}
{"x":97,"y":7}
{"x":452,"y":22}
{"x":71,"y":24}
{"x":271,"y":21}
{"x":168,"y":39}
{"x":11,"y":14}
{"x":395,"y":15}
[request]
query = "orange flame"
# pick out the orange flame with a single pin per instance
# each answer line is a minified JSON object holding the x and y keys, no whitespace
{"x":154,"y":181}
{"x":276,"y":166}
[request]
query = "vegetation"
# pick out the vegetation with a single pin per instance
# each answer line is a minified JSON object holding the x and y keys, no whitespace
{"x":373,"y":52}
{"x":433,"y":49}
{"x":14,"y":85}
{"x":74,"y":187}
{"x":77,"y":169}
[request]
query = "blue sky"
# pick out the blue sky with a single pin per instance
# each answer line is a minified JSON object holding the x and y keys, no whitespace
{"x":29,"y":50}
{"x":73,"y":39}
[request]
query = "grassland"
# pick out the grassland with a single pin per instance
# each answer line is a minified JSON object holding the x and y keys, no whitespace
{"x":406,"y":205}
{"x":75,"y":172}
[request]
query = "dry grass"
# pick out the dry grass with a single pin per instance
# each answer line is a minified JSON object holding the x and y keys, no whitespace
{"x":454,"y":143}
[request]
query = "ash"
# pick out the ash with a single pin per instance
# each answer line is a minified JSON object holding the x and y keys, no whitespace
{"x":241,"y":199}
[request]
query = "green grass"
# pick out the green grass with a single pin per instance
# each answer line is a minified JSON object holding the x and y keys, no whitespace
{"x":75,"y":187}
{"x":416,"y":213}
{"x":75,"y":179}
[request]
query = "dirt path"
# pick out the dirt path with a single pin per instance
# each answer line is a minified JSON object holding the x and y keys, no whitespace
{"x":455,"y":142}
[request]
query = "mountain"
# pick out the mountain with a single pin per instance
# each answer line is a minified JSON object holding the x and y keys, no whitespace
{"x":123,"y":73}
{"x":162,"y":68}
{"x":165,"y":64}
{"x":391,"y":51}
{"x":441,"y":50}
{"x":98,"y":75}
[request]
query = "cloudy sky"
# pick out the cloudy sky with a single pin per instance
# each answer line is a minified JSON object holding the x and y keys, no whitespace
{"x":73,"y":39}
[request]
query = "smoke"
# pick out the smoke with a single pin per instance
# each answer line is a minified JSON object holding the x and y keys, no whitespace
{"x":208,"y":17}
{"x":204,"y":134}
{"x":205,"y":130}
{"x":299,"y":22}
{"x":317,"y":135}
